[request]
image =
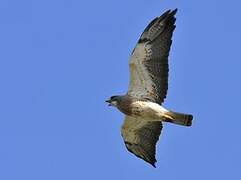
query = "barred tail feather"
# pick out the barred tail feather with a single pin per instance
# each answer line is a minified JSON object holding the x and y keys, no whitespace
{"x":179,"y":118}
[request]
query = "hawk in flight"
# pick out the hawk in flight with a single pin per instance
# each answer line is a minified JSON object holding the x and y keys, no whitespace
{"x":148,"y":85}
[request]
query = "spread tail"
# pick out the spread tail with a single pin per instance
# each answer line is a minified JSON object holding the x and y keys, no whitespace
{"x":179,"y":118}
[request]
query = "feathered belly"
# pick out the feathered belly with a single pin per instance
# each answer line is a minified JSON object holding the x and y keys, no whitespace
{"x":147,"y":110}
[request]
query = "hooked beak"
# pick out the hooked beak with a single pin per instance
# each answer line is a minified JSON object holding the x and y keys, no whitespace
{"x":108,"y":101}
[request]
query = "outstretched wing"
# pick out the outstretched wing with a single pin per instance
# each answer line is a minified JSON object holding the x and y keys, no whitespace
{"x":149,"y":60}
{"x":140,"y":137}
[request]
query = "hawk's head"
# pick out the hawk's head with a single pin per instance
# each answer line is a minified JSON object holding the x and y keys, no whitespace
{"x":114,"y":100}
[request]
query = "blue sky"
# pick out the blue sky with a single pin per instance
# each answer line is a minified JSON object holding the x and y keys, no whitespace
{"x":59,"y":61}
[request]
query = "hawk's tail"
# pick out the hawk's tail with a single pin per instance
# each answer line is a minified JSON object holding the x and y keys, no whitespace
{"x":179,"y":118}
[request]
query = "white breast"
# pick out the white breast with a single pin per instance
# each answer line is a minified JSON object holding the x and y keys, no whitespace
{"x":149,"y":110}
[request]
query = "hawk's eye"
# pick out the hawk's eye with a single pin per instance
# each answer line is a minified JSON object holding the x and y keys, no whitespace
{"x":112,"y":97}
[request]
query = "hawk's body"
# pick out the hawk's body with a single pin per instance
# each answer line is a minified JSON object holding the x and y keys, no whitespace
{"x":147,"y":90}
{"x":140,"y":108}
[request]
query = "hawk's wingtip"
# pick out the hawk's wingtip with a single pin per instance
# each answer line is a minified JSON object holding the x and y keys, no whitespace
{"x":153,"y":163}
{"x":174,"y":12}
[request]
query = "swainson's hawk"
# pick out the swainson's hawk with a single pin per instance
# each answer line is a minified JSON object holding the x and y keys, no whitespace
{"x":147,"y":90}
